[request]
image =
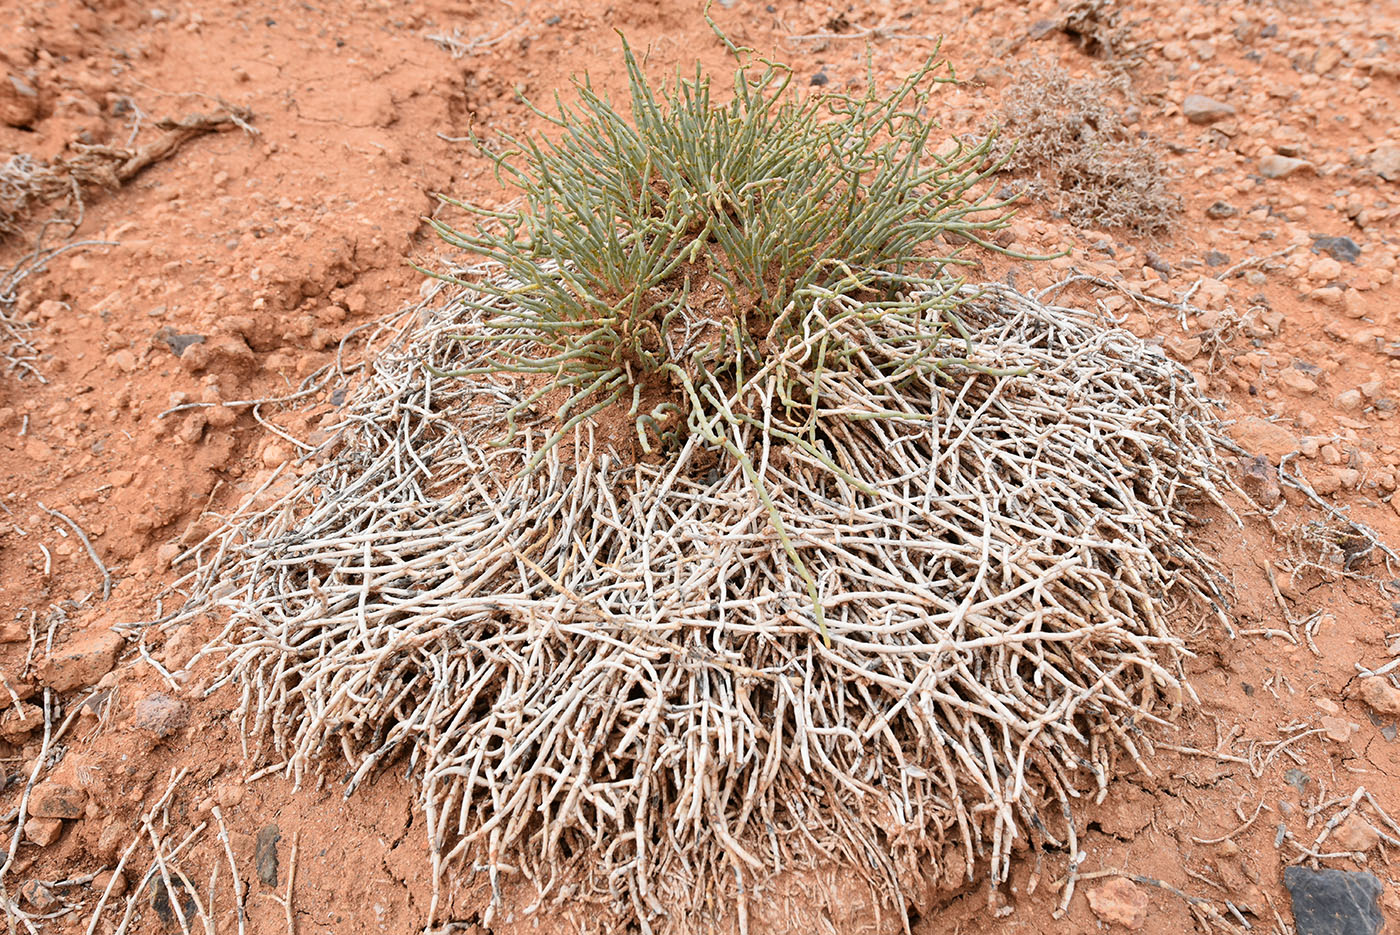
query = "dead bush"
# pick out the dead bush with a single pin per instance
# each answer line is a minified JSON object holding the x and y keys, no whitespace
{"x":1068,"y":140}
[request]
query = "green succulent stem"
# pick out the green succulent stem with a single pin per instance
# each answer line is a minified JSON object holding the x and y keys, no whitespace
{"x":681,"y":249}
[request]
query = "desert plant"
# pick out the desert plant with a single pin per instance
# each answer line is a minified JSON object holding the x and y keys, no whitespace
{"x":661,"y":260}
{"x":1068,"y":142}
{"x":602,"y":668}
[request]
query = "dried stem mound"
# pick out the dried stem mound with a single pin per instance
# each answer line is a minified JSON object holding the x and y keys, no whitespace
{"x":885,"y":593}
{"x":609,"y":676}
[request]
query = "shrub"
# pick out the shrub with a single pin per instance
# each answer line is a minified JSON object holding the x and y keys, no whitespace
{"x":1068,"y":140}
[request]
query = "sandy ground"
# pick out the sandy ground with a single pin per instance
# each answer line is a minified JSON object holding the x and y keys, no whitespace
{"x":256,"y":254}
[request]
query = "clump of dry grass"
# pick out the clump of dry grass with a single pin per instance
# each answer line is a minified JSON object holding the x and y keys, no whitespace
{"x":1067,"y":140}
{"x":26,"y":183}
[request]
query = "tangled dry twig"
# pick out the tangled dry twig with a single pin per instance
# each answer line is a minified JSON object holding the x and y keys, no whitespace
{"x":25,"y":183}
{"x":609,"y":676}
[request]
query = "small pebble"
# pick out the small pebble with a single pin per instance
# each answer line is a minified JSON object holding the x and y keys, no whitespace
{"x":1342,"y":249}
{"x":275,"y":455}
{"x":1350,"y":401}
{"x":1379,"y":695}
{"x":1324,"y":269}
{"x":37,"y":894}
{"x":1120,"y":901}
{"x":116,"y":878}
{"x":43,"y":831}
{"x":1337,"y":729}
{"x":1278,"y":167}
{"x":1198,"y":108}
{"x":1385,"y":162}
{"x":1354,"y":834}
{"x":1297,"y":382}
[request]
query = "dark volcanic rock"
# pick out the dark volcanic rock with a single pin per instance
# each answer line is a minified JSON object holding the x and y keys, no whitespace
{"x":1334,"y":902}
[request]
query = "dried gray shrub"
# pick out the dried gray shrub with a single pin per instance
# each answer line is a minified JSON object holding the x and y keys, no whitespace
{"x":1068,"y":141}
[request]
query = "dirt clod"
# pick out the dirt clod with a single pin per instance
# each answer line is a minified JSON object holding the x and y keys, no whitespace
{"x":82,"y":662}
{"x":160,"y":714}
{"x":111,"y":840}
{"x":1120,"y":902}
{"x":19,"y":102}
{"x":1260,"y":480}
{"x":52,"y":799}
{"x":1379,"y":695}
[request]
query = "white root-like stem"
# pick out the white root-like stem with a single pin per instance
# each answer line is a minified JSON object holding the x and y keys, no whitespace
{"x":608,"y":672}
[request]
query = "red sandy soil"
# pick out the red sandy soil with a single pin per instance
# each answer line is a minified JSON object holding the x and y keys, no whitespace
{"x":274,"y":247}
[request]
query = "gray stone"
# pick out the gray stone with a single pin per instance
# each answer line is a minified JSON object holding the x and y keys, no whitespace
{"x":178,"y":342}
{"x":1334,"y":902}
{"x":1341,"y":249}
{"x":165,"y":906}
{"x":265,"y":855}
{"x":1201,"y":109}
{"x":160,"y":714}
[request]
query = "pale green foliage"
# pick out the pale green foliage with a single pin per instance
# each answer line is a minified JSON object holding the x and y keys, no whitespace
{"x":681,"y":263}
{"x":669,"y":255}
